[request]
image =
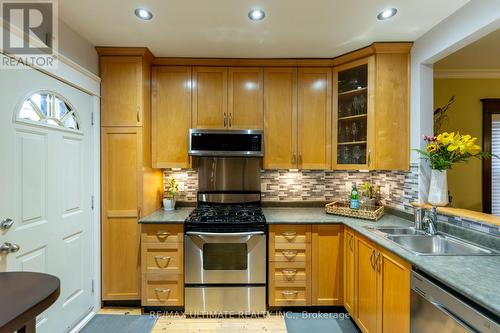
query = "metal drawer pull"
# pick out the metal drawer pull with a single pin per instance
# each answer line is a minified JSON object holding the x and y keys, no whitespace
{"x":289,"y":274}
{"x":163,"y":257}
{"x":163,"y":233}
{"x":289,"y":235}
{"x":379,"y":262}
{"x":289,"y":254}
{"x":371,"y":259}
{"x":225,"y":234}
{"x":160,"y":290}
{"x":289,"y":293}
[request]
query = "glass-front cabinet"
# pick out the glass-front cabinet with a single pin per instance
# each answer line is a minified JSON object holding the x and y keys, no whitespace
{"x":353,"y":109}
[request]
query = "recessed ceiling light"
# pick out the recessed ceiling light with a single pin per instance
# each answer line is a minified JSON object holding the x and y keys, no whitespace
{"x":143,"y":14}
{"x":256,"y":14}
{"x":387,"y":13}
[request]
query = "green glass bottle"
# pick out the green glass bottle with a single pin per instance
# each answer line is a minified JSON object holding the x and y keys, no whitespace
{"x":354,"y":197}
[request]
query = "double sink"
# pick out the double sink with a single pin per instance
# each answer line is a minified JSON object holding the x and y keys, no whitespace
{"x":423,"y":244}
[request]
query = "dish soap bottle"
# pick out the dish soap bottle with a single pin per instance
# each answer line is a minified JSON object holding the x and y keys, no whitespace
{"x":354,"y":197}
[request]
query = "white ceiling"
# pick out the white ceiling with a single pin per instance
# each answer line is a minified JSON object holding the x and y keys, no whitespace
{"x":482,"y":54}
{"x":220,"y":28}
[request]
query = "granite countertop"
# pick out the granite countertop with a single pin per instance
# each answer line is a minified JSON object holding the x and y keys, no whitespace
{"x":176,"y":216}
{"x":472,"y":276}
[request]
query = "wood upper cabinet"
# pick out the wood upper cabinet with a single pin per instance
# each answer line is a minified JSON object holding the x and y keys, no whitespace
{"x":210,"y":97}
{"x":314,"y":118}
{"x":245,"y":98}
{"x":121,"y":91}
{"x":280,"y":118}
{"x":366,"y":286}
{"x":349,"y":272}
{"x":120,"y":171}
{"x":371,"y":110}
{"x":327,"y":265}
{"x":393,"y":293}
{"x":353,"y":115}
{"x":171,"y":116}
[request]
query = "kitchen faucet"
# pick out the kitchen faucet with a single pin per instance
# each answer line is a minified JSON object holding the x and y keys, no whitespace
{"x":430,"y":220}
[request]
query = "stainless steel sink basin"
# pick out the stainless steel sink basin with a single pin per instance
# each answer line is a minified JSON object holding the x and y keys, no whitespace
{"x":399,"y":231}
{"x":439,"y":245}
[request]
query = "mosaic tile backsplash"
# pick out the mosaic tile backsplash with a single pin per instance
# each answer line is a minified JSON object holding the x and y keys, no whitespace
{"x":398,"y":189}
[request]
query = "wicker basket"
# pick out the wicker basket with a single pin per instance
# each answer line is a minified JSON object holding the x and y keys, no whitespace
{"x":342,"y":208}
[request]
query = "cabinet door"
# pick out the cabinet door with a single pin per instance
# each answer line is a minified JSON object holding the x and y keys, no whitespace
{"x":210,"y":97}
{"x":393,"y":293}
{"x":353,"y":115}
{"x":245,"y":98}
{"x":349,"y":272}
{"x":280,"y":118}
{"x":121,"y":91}
{"x":314,"y":118}
{"x":366,"y":286}
{"x":327,"y":259}
{"x":120,"y":169}
{"x":171,"y":116}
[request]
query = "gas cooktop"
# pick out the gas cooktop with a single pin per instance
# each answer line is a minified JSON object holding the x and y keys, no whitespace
{"x":227,"y":213}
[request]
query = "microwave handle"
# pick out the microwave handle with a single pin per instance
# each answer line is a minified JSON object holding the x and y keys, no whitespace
{"x":225,"y":234}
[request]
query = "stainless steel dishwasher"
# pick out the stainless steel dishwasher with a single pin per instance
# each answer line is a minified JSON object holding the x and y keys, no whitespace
{"x":435,"y":310}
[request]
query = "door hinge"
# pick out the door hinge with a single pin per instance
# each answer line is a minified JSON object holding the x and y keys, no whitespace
{"x":93,"y":286}
{"x":92,"y":202}
{"x":92,"y":118}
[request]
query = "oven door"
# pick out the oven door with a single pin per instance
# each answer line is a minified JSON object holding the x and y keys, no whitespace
{"x":225,"y":258}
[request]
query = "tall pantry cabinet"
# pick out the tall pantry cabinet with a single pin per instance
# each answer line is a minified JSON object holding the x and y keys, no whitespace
{"x":130,"y":187}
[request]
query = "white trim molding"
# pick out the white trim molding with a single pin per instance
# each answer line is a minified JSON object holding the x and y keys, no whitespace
{"x":493,"y":73}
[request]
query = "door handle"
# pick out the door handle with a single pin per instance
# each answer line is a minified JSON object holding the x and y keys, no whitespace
{"x":230,"y":120}
{"x":294,"y":160}
{"x":371,"y":259}
{"x":350,"y":241}
{"x":300,"y":158}
{"x":378,"y":261}
{"x":138,"y":114}
{"x":6,"y":224}
{"x":225,"y":119}
{"x":7,"y":248}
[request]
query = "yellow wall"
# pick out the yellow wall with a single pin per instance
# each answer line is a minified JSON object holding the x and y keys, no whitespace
{"x":465,"y":180}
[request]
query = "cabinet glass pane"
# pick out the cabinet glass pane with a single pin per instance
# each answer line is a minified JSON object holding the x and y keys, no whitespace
{"x":352,"y":115}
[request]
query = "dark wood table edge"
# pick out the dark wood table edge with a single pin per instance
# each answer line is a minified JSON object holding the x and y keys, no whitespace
{"x":28,"y":317}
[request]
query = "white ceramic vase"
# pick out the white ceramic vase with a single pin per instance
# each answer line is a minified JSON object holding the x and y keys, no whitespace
{"x":168,"y":204}
{"x":438,"y":191}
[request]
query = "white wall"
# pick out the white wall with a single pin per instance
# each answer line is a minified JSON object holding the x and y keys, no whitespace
{"x":75,"y":47}
{"x":471,"y":22}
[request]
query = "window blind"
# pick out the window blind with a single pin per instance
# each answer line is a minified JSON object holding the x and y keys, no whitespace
{"x":495,"y":167}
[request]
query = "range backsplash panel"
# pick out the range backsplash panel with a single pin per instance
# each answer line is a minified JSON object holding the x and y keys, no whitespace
{"x":398,"y":189}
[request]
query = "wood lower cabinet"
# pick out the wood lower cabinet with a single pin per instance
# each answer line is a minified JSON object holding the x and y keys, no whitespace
{"x":349,"y":271}
{"x":120,"y":174}
{"x":162,"y":265}
{"x":379,"y":298}
{"x":305,"y":265}
{"x":327,"y":257}
{"x":366,"y":285}
{"x":171,"y":116}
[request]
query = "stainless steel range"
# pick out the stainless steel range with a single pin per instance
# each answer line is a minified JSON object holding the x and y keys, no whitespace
{"x":225,"y":236}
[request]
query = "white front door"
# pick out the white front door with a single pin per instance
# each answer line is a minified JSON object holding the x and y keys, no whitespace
{"x":46,"y":188}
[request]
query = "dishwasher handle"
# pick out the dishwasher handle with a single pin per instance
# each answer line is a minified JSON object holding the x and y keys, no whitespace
{"x":225,"y":234}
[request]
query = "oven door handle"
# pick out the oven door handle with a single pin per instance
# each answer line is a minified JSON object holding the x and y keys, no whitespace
{"x":225,"y":234}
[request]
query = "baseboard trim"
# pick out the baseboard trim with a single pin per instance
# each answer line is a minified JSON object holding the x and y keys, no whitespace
{"x":83,"y":322}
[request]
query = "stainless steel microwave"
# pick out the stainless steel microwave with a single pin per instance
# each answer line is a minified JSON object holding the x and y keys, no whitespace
{"x":243,"y":143}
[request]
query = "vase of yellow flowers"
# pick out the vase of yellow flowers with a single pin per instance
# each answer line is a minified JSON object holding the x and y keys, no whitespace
{"x":171,"y":192}
{"x":442,"y":151}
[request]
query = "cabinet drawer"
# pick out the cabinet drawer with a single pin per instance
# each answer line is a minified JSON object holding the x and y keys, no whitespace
{"x":290,"y":234}
{"x":162,"y":233}
{"x":162,"y":290}
{"x":289,"y":274}
{"x":289,"y":296}
{"x":160,"y":259}
{"x":290,"y":255}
